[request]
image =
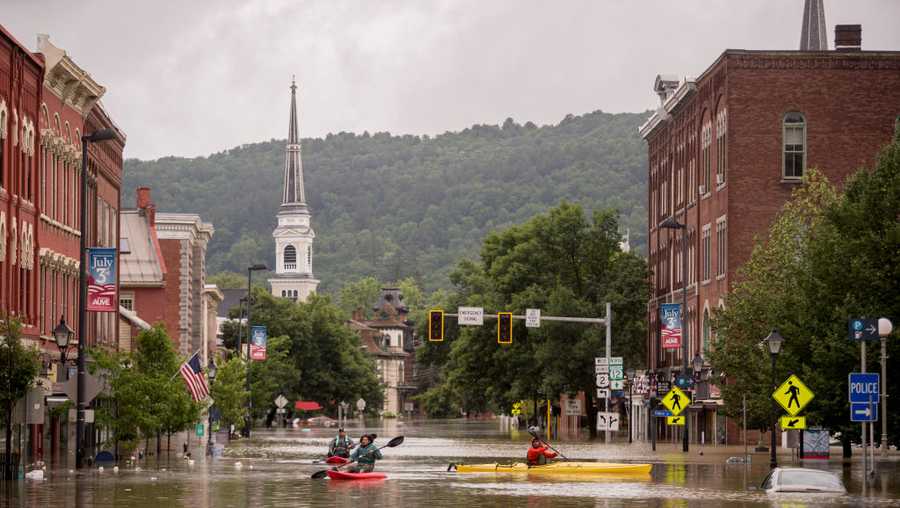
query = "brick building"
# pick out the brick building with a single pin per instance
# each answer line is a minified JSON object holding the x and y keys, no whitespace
{"x":163,"y":276}
{"x":725,"y":151}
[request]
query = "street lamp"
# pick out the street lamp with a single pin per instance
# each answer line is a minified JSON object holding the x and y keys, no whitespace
{"x":629,"y":373}
{"x":94,"y":137}
{"x":211,"y":374}
{"x":885,"y":327}
{"x":671,"y":223}
{"x":250,"y":269}
{"x":62,"y":334}
{"x":774,"y":341}
{"x":697,"y":364}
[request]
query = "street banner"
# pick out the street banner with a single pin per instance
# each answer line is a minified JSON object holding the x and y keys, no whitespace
{"x":258,"y":339}
{"x":670,"y":325}
{"x":101,"y":275}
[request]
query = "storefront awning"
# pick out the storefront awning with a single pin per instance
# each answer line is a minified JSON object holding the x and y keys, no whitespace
{"x":307,"y":405}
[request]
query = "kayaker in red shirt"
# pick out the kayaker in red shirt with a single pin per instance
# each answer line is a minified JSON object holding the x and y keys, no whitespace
{"x":538,"y":453}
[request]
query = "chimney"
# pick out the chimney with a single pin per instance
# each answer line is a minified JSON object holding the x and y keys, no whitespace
{"x":145,"y":204}
{"x":848,"y":37}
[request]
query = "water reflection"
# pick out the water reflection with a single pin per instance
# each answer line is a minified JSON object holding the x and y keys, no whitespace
{"x":277,"y":467}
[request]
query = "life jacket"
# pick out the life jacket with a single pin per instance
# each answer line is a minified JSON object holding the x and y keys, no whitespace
{"x":340,"y":445}
{"x":538,"y":456}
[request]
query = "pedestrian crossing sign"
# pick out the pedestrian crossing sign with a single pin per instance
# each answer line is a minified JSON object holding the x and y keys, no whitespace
{"x":676,"y":401}
{"x":793,"y":423}
{"x":675,"y":420}
{"x":793,"y":395}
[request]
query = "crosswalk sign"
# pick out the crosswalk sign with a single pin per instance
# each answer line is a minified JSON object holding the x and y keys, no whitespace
{"x":793,"y":395}
{"x":676,"y":401}
{"x":675,"y":420}
{"x":793,"y":422}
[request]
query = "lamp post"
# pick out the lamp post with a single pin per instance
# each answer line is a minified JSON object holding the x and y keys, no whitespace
{"x":211,"y":374}
{"x":885,"y":327}
{"x":62,"y":334}
{"x":629,"y":373}
{"x":671,"y":223}
{"x":250,"y":269}
{"x":774,"y":341}
{"x":94,"y":137}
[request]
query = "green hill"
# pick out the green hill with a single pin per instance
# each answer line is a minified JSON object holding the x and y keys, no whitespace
{"x":398,"y":206}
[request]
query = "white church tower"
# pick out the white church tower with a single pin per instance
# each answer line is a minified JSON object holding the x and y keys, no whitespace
{"x":294,"y":234}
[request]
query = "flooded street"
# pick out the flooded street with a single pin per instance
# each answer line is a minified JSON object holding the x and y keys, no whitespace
{"x":275,"y":469}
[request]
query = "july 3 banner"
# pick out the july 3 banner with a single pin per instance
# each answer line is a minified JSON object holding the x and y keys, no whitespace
{"x":102,"y":294}
{"x":258,"y":338}
{"x":670,"y":325}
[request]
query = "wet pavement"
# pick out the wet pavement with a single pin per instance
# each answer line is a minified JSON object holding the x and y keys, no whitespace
{"x":274,"y":468}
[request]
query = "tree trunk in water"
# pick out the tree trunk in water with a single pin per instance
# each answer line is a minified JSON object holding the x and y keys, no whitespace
{"x":845,"y":445}
{"x":591,"y":412}
{"x":158,"y":445}
{"x":168,"y":443}
{"x":7,"y":459}
{"x":146,"y":445}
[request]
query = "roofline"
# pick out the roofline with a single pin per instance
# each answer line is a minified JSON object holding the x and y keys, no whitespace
{"x":34,"y":57}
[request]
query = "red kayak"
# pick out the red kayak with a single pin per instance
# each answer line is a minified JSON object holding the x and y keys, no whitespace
{"x":341,"y":475}
{"x":334,"y":459}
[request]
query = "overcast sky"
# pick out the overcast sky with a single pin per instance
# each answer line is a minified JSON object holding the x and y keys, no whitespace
{"x":192,"y":77}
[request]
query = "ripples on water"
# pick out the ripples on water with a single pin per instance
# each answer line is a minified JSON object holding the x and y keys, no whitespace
{"x":277,"y":466}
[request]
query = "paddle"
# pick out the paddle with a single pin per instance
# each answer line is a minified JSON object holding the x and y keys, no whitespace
{"x":538,"y":437}
{"x":397,"y":441}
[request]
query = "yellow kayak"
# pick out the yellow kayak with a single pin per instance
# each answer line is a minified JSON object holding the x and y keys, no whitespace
{"x":558,"y":468}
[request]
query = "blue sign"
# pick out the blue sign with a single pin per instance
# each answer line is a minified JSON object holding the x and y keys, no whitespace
{"x":258,"y":339}
{"x":864,"y":412}
{"x":661,"y":413}
{"x":102,"y":280}
{"x":862,"y":329}
{"x":864,"y":387}
{"x":618,"y":393}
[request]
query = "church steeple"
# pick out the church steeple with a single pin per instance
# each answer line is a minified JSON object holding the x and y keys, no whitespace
{"x":293,"y":193}
{"x":812,"y":33}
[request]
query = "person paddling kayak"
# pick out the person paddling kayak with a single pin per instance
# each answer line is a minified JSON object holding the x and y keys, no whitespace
{"x":341,"y":445}
{"x":365,"y":456}
{"x":538,"y":453}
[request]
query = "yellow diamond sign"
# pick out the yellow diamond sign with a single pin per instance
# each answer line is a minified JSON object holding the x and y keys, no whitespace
{"x":675,"y":420}
{"x":793,"y":422}
{"x":793,"y":395}
{"x":676,"y":401}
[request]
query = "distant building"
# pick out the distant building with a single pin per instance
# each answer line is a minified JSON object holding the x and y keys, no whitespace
{"x":389,"y":338}
{"x":294,"y":234}
{"x":726,"y":150}
{"x":163,"y":276}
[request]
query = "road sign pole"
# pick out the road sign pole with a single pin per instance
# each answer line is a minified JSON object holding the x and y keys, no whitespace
{"x":865,"y":443}
{"x":608,"y":353}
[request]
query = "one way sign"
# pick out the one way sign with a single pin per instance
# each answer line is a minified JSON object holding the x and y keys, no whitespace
{"x":793,"y":422}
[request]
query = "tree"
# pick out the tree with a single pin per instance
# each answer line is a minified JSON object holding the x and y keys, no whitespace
{"x":361,"y":294}
{"x":276,"y":375}
{"x":230,"y":394}
{"x":565,"y":264}
{"x":19,"y":367}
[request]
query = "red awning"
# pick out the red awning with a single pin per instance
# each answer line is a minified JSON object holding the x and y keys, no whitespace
{"x":307,"y":405}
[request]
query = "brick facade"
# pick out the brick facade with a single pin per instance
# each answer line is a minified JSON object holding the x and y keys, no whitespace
{"x":733,"y":123}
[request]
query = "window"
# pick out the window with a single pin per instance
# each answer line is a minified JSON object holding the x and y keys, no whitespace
{"x":707,"y":332}
{"x":705,"y":253}
{"x":290,"y":258}
{"x":721,"y":246}
{"x":126,"y":301}
{"x":721,"y":146}
{"x":706,"y":160}
{"x":794,"y":128}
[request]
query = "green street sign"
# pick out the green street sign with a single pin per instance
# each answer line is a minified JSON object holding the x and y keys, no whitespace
{"x":199,"y":430}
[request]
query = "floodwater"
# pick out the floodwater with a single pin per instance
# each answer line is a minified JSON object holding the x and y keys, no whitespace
{"x":276,"y":467}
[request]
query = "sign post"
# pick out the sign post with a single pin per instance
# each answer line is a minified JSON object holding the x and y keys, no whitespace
{"x":861,"y":330}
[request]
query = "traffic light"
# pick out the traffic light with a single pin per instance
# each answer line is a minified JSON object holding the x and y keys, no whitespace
{"x":436,"y":326}
{"x":504,"y":328}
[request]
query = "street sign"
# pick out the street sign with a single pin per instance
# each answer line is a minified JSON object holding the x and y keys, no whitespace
{"x":473,"y":316}
{"x":616,"y":372}
{"x":602,"y":393}
{"x":676,"y":401}
{"x":615,"y":360}
{"x":92,"y":387}
{"x":198,"y":429}
{"x":862,"y":329}
{"x":864,"y":387}
{"x":602,"y":380}
{"x":361,"y":404}
{"x":663,"y":386}
{"x":607,"y":421}
{"x":793,"y":422}
{"x":617,"y":384}
{"x":793,"y":395}
{"x":617,"y":393}
{"x":864,"y":412}
{"x":675,"y":420}
{"x":600,"y":360}
{"x":661,"y":413}
{"x":532,"y":318}
{"x":280,"y":411}
{"x":601,"y":369}
{"x":280,"y":401}
{"x":684,"y":382}
{"x":573,"y":407}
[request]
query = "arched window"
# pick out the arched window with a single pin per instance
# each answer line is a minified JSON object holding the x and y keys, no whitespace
{"x":309,"y":257}
{"x":290,"y":258}
{"x":283,"y":293}
{"x":707,"y":331}
{"x":794,"y":134}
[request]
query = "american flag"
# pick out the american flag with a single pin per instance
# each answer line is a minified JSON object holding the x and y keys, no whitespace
{"x":193,"y":378}
{"x":671,"y":333}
